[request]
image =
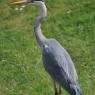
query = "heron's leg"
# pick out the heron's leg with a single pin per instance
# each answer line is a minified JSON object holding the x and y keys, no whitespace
{"x":59,"y":90}
{"x":55,"y":88}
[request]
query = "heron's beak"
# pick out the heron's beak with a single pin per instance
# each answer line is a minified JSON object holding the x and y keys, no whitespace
{"x":20,"y":2}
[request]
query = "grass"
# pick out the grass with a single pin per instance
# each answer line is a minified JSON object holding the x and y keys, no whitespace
{"x":71,"y":22}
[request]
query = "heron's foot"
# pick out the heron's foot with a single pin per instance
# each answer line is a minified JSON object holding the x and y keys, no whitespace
{"x":56,"y":93}
{"x":59,"y":91}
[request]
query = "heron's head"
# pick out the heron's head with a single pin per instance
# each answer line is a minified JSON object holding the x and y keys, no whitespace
{"x":23,"y":2}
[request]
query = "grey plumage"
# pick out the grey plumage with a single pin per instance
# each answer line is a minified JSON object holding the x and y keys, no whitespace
{"x":59,"y":65}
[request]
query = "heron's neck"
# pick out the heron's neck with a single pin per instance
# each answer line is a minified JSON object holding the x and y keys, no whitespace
{"x":37,"y":28}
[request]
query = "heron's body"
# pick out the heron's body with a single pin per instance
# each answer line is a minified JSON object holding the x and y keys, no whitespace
{"x":59,"y":65}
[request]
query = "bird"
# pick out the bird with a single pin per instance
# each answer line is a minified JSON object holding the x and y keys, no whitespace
{"x":56,"y":60}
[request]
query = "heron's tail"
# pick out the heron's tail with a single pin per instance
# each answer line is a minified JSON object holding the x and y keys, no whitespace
{"x":76,"y":90}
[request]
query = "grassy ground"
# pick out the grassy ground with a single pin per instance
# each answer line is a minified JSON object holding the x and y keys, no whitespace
{"x":71,"y":22}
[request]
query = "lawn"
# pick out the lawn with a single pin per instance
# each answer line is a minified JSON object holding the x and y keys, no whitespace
{"x":71,"y":22}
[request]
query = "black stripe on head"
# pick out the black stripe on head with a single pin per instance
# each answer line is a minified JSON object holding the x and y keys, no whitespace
{"x":31,"y":1}
{"x":39,"y":0}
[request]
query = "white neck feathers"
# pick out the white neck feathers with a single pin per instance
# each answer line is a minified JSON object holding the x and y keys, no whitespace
{"x":37,"y":28}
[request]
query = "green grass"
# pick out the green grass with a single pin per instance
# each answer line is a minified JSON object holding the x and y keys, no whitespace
{"x":71,"y":22}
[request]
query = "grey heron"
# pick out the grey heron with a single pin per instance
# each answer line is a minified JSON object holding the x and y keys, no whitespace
{"x":56,"y":59}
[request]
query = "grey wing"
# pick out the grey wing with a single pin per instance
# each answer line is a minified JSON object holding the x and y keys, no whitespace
{"x":58,"y":63}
